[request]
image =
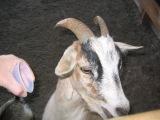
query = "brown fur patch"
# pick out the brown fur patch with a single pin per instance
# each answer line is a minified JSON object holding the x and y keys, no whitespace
{"x":93,"y":89}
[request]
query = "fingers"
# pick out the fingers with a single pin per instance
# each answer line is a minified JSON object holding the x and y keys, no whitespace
{"x":27,"y":76}
{"x":25,"y":68}
{"x":15,"y":88}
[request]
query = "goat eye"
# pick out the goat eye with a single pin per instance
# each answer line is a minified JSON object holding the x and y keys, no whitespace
{"x":86,"y":70}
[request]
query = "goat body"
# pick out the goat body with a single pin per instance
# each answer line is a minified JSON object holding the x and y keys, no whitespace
{"x":60,"y":107}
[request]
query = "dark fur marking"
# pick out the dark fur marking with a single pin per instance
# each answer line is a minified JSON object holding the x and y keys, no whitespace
{"x":120,"y":63}
{"x":93,"y":59}
{"x":115,"y":77}
{"x":120,"y":66}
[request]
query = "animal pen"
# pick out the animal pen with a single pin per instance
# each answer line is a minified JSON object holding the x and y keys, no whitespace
{"x":27,"y":29}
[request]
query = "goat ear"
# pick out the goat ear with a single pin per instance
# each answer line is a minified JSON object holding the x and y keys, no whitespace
{"x":126,"y":47}
{"x":67,"y":62}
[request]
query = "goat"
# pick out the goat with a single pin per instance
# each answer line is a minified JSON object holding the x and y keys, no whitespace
{"x":16,"y":109}
{"x":89,"y":85}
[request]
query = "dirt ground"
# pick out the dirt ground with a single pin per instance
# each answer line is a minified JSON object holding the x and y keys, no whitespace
{"x":27,"y":30}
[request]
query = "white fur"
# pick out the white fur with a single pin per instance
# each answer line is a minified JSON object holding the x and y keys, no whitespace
{"x":114,"y":95}
{"x":27,"y":111}
{"x":56,"y":110}
{"x":61,"y":108}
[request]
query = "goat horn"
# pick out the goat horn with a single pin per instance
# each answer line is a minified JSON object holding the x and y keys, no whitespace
{"x":103,"y":27}
{"x":81,"y":31}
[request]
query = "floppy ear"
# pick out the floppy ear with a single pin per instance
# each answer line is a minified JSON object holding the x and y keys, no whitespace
{"x":126,"y":47}
{"x":67,"y":62}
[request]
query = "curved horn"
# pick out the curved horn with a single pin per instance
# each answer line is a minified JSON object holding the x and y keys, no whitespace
{"x":103,"y":27}
{"x":81,"y":31}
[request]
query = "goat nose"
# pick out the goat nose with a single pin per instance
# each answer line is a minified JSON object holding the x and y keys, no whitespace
{"x":121,"y":111}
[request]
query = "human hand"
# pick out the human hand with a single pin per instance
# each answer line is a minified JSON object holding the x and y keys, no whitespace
{"x":8,"y":79}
